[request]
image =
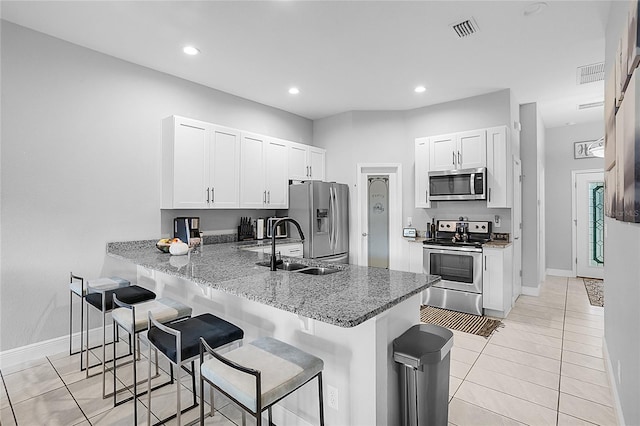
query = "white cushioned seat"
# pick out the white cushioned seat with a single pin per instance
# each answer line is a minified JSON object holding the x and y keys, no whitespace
{"x":163,"y":309}
{"x":283,"y":369}
{"x":98,"y":283}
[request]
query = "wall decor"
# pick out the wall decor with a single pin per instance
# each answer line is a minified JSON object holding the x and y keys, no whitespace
{"x":581,"y":149}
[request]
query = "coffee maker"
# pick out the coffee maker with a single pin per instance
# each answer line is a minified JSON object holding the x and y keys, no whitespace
{"x":186,"y":228}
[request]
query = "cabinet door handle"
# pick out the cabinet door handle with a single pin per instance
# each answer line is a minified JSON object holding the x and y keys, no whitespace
{"x":268,"y":197}
{"x":426,"y":196}
{"x":459,"y":158}
{"x":489,"y":195}
{"x":307,"y":171}
{"x":213,"y":194}
{"x":207,"y":195}
{"x":485,"y":263}
{"x":453,"y":153}
{"x":310,"y":171}
{"x":264,"y":197}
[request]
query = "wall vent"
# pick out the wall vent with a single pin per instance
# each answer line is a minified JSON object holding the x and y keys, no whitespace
{"x":591,"y":105}
{"x":465,"y":28}
{"x":591,"y":73}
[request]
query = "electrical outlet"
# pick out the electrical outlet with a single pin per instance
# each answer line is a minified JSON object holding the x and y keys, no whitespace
{"x":619,"y":375}
{"x":332,"y":396}
{"x":496,"y":221}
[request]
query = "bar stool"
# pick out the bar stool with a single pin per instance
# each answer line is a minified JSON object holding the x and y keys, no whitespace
{"x":102,"y":300}
{"x":77,"y":288}
{"x":180,"y":343}
{"x":278,"y":369}
{"x":134,"y":319}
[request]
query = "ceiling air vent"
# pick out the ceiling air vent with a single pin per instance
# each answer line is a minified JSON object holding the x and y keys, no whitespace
{"x":591,"y":105}
{"x":465,"y":28}
{"x":591,"y":73}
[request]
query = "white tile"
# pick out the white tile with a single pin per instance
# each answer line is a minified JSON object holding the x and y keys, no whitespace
{"x":23,"y":366}
{"x":531,"y":328}
{"x":454,"y":384}
{"x":469,"y":341}
{"x":4,"y":398}
{"x":88,"y":395}
{"x":122,"y":415}
{"x":584,"y":323}
{"x":583,"y":316}
{"x":567,"y":420}
{"x":595,"y":332}
{"x":519,"y":371}
{"x":585,"y":374}
{"x":542,"y":322}
{"x":457,"y":369}
{"x":31,"y":382}
{"x":526,"y":346}
{"x":463,"y":355}
{"x":6,"y":417}
{"x":583,"y":360}
{"x":583,"y":338}
{"x":56,"y":407}
{"x":586,"y":410}
{"x":526,"y":358}
{"x":584,"y":390}
{"x":551,"y":301}
{"x":540,"y":339}
{"x":68,"y":367}
{"x":506,"y":405}
{"x":510,"y":385}
{"x":462,"y":413}
{"x":581,"y":348}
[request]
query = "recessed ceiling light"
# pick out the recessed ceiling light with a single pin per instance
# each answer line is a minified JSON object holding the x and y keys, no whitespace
{"x":420,"y":89}
{"x":534,"y":8}
{"x":190,"y":50}
{"x":570,"y":123}
{"x":294,"y":91}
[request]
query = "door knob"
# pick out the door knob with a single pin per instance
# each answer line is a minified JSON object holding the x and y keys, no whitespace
{"x":364,"y":234}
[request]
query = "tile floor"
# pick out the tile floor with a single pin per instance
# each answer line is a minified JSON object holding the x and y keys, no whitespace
{"x":545,"y":367}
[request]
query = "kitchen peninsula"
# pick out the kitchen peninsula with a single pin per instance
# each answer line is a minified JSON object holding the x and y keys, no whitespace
{"x":348,"y":318}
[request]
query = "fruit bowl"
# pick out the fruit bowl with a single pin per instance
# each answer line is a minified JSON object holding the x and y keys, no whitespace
{"x":164,"y":244}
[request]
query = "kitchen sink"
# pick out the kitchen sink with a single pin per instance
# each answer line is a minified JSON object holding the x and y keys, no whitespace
{"x":318,"y":271}
{"x":285,"y":266}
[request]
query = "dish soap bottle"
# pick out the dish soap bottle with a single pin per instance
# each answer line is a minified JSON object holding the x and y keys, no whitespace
{"x":433,"y":228}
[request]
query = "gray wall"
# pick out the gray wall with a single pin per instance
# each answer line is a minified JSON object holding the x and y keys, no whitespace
{"x":622,"y":272}
{"x":388,"y":137}
{"x":81,"y":166}
{"x":558,"y":200}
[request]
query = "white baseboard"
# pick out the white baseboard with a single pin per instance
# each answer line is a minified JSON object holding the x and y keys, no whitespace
{"x":54,"y":346}
{"x":612,"y":383}
{"x":530,"y":291}
{"x":560,"y":272}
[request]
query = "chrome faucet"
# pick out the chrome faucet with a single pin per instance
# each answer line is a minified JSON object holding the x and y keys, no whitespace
{"x":273,"y":237}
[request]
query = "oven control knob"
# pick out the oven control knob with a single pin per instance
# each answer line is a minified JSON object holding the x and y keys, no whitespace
{"x":483,"y":226}
{"x":448,"y":226}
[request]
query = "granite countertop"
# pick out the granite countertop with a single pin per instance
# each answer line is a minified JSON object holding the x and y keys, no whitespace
{"x":346,"y":298}
{"x":497,"y":244}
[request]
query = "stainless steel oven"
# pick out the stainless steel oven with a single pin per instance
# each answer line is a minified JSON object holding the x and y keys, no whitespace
{"x":461,"y":270}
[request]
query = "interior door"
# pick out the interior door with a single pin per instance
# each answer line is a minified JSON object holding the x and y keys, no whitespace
{"x":589,"y":223}
{"x":517,"y":229}
{"x":378,"y":219}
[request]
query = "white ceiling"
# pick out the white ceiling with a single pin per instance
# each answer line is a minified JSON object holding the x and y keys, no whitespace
{"x":347,"y":55}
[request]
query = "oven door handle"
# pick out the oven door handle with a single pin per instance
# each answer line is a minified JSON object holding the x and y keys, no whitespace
{"x":440,"y":250}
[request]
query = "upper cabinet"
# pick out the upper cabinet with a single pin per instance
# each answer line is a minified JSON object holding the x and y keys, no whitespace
{"x":200,"y":165}
{"x":488,"y":148}
{"x":305,"y":162}
{"x":421,"y":178}
{"x":205,"y":165}
{"x":463,"y":150}
{"x":499,"y":168}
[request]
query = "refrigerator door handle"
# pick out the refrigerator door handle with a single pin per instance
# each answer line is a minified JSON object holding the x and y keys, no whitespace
{"x":336,"y":207}
{"x":331,"y":209}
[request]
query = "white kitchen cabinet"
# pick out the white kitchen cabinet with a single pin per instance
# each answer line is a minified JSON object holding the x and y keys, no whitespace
{"x":463,"y":150}
{"x":305,"y":162}
{"x":416,"y":251}
{"x":499,"y":169}
{"x":200,"y":165}
{"x":286,"y":249}
{"x":263,"y":173}
{"x":421,"y":196}
{"x":496,"y":280}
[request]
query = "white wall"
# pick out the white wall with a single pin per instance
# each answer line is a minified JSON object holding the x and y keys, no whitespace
{"x":81,"y":166}
{"x":558,"y":199}
{"x":532,"y":155}
{"x":388,"y":137}
{"x":622,"y":271}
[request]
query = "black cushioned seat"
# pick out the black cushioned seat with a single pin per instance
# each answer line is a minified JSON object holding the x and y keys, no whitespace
{"x":129,"y":295}
{"x":215,"y":331}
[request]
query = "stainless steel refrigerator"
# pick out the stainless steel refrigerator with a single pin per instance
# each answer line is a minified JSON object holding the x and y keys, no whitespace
{"x":322,"y":210}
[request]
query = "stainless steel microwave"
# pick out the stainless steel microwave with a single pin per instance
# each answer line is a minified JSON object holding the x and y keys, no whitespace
{"x":466,"y":184}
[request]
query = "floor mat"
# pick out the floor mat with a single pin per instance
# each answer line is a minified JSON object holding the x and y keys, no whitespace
{"x":595,"y":291}
{"x":474,"y":324}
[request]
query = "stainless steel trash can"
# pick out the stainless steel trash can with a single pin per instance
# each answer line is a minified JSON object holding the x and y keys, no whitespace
{"x":424,"y":352}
